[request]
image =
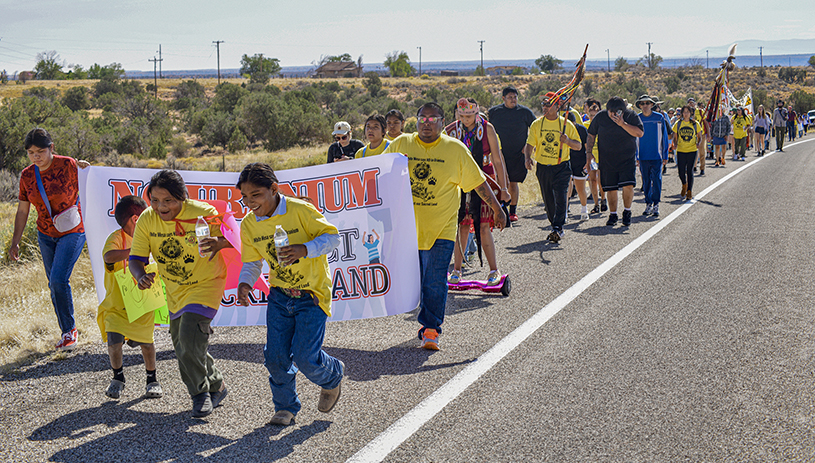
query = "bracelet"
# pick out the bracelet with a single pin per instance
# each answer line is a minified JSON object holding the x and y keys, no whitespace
{"x":504,"y":189}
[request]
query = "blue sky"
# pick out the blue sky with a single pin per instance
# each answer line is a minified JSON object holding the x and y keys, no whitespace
{"x":298,"y":32}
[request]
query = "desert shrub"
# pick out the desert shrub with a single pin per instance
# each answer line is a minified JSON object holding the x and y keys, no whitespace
{"x":179,"y":147}
{"x":672,"y":83}
{"x":189,"y":94}
{"x":77,"y":98}
{"x":802,"y":101}
{"x":29,"y":248}
{"x":9,"y":185}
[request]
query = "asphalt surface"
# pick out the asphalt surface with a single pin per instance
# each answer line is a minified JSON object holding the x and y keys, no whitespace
{"x":695,"y":347}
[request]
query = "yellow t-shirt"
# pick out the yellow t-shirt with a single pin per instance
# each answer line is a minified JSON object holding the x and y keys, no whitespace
{"x":302,"y":223}
{"x":366,"y":150}
{"x":578,"y":117}
{"x":389,"y":138}
{"x":188,"y":277}
{"x":687,"y":137}
{"x":699,"y":116}
{"x":438,"y":173}
{"x":544,"y":135}
{"x":111,"y":316}
{"x":740,"y":124}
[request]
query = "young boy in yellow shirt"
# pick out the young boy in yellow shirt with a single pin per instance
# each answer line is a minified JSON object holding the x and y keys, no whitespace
{"x":300,"y":295}
{"x":112,"y":317}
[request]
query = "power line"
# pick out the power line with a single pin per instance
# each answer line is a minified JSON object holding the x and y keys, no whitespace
{"x":218,"y":47}
{"x":481,"y":42}
{"x":155,"y":77}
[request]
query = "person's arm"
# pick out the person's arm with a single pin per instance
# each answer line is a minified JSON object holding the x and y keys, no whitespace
{"x":498,"y":162}
{"x":250,"y":272}
{"x":376,"y":234}
{"x":632,"y":130}
{"x":528,"y":151}
{"x":330,"y":154}
{"x":485,"y":193}
{"x":572,"y":144}
{"x":20,"y":219}
{"x":144,"y":279}
{"x":81,"y":163}
{"x":590,"y":140}
{"x":214,"y":244}
{"x":116,"y":255}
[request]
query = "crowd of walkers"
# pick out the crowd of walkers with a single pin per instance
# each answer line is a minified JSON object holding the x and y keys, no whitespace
{"x":477,"y":161}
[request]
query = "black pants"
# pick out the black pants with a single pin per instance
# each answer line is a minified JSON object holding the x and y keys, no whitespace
{"x":554,"y":183}
{"x":684,"y":164}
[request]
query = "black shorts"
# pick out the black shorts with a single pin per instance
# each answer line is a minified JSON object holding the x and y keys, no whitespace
{"x":614,"y":179}
{"x":515,"y":166}
{"x":118,"y":338}
{"x":577,"y":170}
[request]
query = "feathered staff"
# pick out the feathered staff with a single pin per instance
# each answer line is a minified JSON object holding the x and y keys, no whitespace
{"x":563,"y":97}
{"x":720,"y":89}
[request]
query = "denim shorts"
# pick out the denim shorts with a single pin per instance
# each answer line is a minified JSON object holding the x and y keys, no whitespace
{"x":717,"y":141}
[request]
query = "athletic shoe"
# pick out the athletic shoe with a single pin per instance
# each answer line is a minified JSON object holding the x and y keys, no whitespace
{"x":664,"y":169}
{"x":626,"y":218}
{"x":68,"y":340}
{"x":648,"y":209}
{"x":584,"y":215}
{"x":217,"y":397}
{"x":329,"y":397}
{"x":603,"y":205}
{"x":735,"y":158}
{"x":454,"y":277}
{"x":282,"y":418}
{"x":612,"y":220}
{"x":114,"y":391}
{"x":702,"y":172}
{"x":595,"y":209}
{"x":494,"y":278}
{"x":553,"y":237}
{"x":513,"y":217}
{"x":655,"y":211}
{"x":153,"y":390}
{"x":201,"y":405}
{"x":694,"y":169}
{"x":430,"y":339}
{"x":716,"y":164}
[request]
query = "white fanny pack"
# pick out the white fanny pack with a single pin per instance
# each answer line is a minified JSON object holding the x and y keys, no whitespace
{"x":66,"y":220}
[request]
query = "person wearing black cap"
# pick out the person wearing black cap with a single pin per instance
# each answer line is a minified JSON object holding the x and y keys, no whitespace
{"x":780,"y":124}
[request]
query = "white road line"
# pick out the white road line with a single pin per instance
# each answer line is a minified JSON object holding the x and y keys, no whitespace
{"x":401,"y":430}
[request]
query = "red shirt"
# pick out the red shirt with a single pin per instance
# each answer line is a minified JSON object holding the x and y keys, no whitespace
{"x":61,"y":183}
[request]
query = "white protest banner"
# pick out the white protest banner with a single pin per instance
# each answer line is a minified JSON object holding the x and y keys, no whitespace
{"x":375,"y":270}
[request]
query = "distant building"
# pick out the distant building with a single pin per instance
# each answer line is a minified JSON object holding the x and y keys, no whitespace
{"x":503,"y":70}
{"x":339,"y":69}
{"x":449,"y":73}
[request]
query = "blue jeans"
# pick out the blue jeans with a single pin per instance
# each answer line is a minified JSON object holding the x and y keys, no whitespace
{"x":433,"y":265}
{"x":651,"y":180}
{"x":295,"y":328}
{"x":59,"y":256}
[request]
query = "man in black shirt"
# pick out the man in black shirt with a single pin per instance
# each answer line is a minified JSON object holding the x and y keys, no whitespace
{"x":345,"y":147}
{"x":616,"y":129}
{"x":511,"y":122}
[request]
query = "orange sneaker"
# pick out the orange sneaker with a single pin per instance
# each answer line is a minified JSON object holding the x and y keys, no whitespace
{"x":430,"y":339}
{"x":69,"y":340}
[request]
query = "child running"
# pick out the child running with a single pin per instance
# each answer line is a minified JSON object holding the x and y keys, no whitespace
{"x":300,"y":297}
{"x":112,"y":317}
{"x":194,"y":277}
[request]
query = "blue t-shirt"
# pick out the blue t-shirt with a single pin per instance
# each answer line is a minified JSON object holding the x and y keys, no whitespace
{"x":653,"y":145}
{"x":373,"y":251}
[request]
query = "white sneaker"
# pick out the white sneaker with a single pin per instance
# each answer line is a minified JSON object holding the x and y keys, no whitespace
{"x":455,"y":277}
{"x":649,"y":209}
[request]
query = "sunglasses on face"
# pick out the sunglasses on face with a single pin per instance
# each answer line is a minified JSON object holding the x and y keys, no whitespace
{"x":428,"y":119}
{"x":341,"y":138}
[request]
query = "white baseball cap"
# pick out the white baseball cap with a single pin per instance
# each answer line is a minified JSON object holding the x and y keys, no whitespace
{"x":341,"y":128}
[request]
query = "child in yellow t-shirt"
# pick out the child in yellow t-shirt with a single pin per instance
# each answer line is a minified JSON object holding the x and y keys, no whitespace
{"x":194,"y":276}
{"x":112,"y":317}
{"x":300,"y":296}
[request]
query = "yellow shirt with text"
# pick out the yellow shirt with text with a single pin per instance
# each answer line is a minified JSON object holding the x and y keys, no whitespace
{"x":740,"y":124}
{"x":189,"y":278}
{"x":544,"y":135}
{"x":302,"y":223}
{"x":438,"y":173}
{"x":366,"y":150}
{"x":112,"y":316}
{"x":687,"y":136}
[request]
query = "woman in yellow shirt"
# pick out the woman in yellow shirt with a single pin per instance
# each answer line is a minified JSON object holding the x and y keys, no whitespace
{"x":194,"y":278}
{"x":688,"y":138}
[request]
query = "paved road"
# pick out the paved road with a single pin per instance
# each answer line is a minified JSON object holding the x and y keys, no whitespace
{"x":696,"y":346}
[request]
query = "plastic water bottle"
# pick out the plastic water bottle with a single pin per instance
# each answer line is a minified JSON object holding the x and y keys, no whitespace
{"x":281,"y":239}
{"x":202,"y":232}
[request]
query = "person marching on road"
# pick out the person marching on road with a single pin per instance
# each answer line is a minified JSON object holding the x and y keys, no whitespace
{"x":687,"y":139}
{"x":780,"y":124}
{"x":440,"y":168}
{"x":616,"y":129}
{"x":551,"y":137}
{"x":511,"y":121}
{"x":652,"y":153}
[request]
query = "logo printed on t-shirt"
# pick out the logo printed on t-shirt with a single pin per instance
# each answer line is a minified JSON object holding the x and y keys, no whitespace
{"x":170,"y":253}
{"x":422,"y":176}
{"x":687,"y":133}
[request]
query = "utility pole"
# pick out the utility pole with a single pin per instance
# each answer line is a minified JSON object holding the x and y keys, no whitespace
{"x":155,"y":76}
{"x":159,"y":61}
{"x":707,"y":59}
{"x":420,"y":60}
{"x":608,"y":59}
{"x":218,"y":47}
{"x":482,"y":56}
{"x":761,"y":55}
{"x":650,"y":66}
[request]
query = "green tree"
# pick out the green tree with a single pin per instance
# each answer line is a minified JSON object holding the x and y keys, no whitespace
{"x":373,"y":83}
{"x":672,"y":83}
{"x":811,"y":61}
{"x":76,"y":98}
{"x":621,"y":64}
{"x":3,"y":77}
{"x":343,"y":58}
{"x":651,"y":62}
{"x":77,"y":72}
{"x":227,"y":96}
{"x":49,"y":66}
{"x":398,"y":63}
{"x":14,"y":124}
{"x":189,"y":94}
{"x":479,"y":71}
{"x":548,"y":63}
{"x":112,"y":71}
{"x":258,"y":68}
{"x":802,"y":101}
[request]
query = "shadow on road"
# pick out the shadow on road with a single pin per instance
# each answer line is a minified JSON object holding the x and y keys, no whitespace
{"x":76,"y":363}
{"x":155,"y":437}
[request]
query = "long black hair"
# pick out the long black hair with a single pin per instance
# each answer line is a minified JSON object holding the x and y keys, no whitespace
{"x":171,"y":181}
{"x":257,"y":173}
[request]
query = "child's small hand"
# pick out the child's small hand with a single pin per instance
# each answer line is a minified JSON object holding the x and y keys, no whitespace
{"x":213,"y":245}
{"x":290,"y":254}
{"x":146,"y":281}
{"x":243,"y":293}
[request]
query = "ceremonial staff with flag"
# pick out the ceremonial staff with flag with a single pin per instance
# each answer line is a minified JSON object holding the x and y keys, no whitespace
{"x":719,"y":100}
